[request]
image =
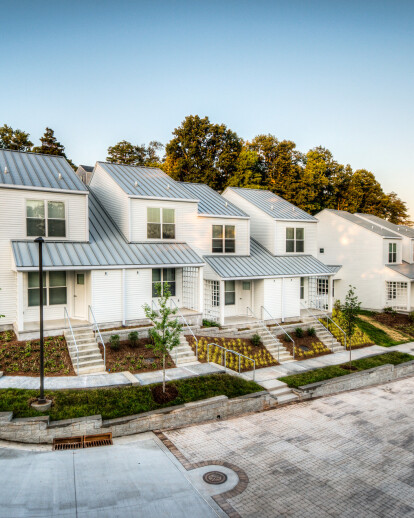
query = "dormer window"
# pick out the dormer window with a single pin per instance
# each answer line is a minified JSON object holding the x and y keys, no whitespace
{"x":224,"y":239}
{"x":295,"y":240}
{"x":392,"y":252}
{"x":50,"y":224}
{"x":160,"y":223}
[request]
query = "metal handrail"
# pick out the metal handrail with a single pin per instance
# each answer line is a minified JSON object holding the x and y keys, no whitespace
{"x":225,"y":357}
{"x":326,"y":327}
{"x":66,"y":315}
{"x":187,"y":324}
{"x":95,"y":323}
{"x":266,"y":328}
{"x":282,"y":328}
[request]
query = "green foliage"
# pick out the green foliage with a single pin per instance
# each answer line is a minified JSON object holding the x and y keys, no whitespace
{"x":256,"y":340}
{"x":16,"y":140}
{"x":350,"y":311}
{"x":389,"y":310}
{"x":133,"y":338}
{"x":299,"y":332}
{"x":114,"y":342}
{"x":311,"y":331}
{"x":131,"y":154}
{"x":411,"y":316}
{"x":51,"y":146}
{"x":378,"y":336}
{"x":209,"y":323}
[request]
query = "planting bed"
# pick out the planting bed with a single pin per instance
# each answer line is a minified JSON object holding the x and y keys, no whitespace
{"x":22,"y":358}
{"x":359,"y":339}
{"x":402,"y":323}
{"x":306,"y":347}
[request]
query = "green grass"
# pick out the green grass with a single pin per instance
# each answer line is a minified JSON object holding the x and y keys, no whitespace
{"x":378,"y":336}
{"x":335,"y":371}
{"x":122,"y":401}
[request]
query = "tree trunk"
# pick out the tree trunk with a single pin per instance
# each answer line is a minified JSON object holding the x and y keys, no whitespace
{"x":163,"y":373}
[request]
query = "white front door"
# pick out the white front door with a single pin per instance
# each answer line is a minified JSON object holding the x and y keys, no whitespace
{"x":244,"y":293}
{"x":80,"y":295}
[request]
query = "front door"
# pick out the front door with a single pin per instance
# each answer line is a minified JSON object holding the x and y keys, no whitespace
{"x":80,"y":295}
{"x":245,"y":297}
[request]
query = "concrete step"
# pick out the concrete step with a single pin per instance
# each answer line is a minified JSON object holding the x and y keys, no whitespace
{"x":286,"y":398}
{"x":88,"y":355}
{"x":280,"y":391}
{"x":94,"y":362}
{"x":92,"y":370}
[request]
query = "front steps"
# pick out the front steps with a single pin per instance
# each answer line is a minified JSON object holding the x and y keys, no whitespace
{"x":279,"y":391}
{"x":183,"y":353}
{"x":90,"y":357}
{"x":271,"y":342}
{"x":327,"y":338}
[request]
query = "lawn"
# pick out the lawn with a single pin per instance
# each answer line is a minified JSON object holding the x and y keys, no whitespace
{"x":335,"y":371}
{"x":378,"y":336}
{"x":122,"y":401}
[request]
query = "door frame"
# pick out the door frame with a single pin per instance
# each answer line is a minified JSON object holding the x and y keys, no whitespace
{"x":76,"y":314}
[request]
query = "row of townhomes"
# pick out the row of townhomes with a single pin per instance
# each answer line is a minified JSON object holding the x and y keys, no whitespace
{"x":112,"y":232}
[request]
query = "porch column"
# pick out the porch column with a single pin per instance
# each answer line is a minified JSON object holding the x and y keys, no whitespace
{"x":222,"y":301}
{"x":330,"y":292}
{"x":20,"y":302}
{"x":123,"y":296}
{"x":201,"y":291}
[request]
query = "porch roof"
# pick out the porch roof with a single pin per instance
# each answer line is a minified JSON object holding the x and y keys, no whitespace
{"x":406,"y":269}
{"x":107,"y":248}
{"x":261,"y":263}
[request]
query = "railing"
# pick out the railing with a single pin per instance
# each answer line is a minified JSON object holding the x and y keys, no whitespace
{"x":96,"y":330}
{"x":282,"y":328}
{"x":225,"y":357}
{"x":267,"y":330}
{"x":66,"y":315}
{"x":186,"y":324}
{"x":328,"y":319}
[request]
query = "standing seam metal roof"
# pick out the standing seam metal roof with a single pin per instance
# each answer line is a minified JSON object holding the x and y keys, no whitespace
{"x":403,"y":230}
{"x":406,"y":269}
{"x":354,"y":218}
{"x":106,"y":247}
{"x":211,"y":202}
{"x":37,"y":170}
{"x":272,"y":204}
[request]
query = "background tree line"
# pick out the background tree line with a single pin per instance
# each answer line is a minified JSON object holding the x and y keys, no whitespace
{"x":204,"y":152}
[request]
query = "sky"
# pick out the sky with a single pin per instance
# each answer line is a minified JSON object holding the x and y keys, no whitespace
{"x":332,"y":73}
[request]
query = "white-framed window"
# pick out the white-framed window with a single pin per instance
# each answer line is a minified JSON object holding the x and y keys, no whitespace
{"x":302,"y":288}
{"x":160,"y":223}
{"x":392,"y":252}
{"x":224,"y":239}
{"x":163,"y":276}
{"x":229,"y":293}
{"x":45,"y":218}
{"x":54,"y":288}
{"x":322,"y":286}
{"x":295,"y":240}
{"x":397,"y":291}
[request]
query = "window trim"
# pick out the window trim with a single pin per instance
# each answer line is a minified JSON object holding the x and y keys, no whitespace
{"x":47,"y":287}
{"x":229,"y":291}
{"x":322,"y":286}
{"x":161,"y":224}
{"x":223,"y":238}
{"x":162,"y":281}
{"x":46,"y":218}
{"x":295,"y":240}
{"x":392,"y":253}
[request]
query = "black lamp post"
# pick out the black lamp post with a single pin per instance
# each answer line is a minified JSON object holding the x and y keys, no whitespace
{"x":41,"y":399}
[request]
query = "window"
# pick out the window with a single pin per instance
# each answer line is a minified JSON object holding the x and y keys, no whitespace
{"x":302,"y":288}
{"x":397,"y":291}
{"x":224,"y":239}
{"x":295,"y":240}
{"x":54,"y":288}
{"x":38,"y":225}
{"x":229,"y":293}
{"x":160,"y":227}
{"x":246,"y":285}
{"x":392,"y":252}
{"x":163,"y":276}
{"x":322,"y":286}
{"x":321,"y":250}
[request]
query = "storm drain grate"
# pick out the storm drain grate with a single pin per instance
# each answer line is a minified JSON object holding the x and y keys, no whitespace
{"x":82,"y":441}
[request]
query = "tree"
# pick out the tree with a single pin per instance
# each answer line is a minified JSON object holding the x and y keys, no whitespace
{"x":16,"y":140}
{"x":51,"y":146}
{"x":129,"y":154}
{"x":166,"y":331}
{"x":349,"y":311}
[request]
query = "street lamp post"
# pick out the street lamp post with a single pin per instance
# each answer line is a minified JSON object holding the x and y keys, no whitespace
{"x":41,"y":399}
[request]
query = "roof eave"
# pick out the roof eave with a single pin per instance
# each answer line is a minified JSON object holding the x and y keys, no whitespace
{"x":43,"y":189}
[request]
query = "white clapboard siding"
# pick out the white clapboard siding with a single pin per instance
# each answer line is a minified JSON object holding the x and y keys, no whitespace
{"x":310,"y":230}
{"x":107,"y":295}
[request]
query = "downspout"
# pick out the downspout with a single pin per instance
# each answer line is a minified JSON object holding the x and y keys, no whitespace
{"x":283,"y":300}
{"x":123,"y":296}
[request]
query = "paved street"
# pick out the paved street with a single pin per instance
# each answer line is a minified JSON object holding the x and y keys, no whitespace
{"x":350,"y":455}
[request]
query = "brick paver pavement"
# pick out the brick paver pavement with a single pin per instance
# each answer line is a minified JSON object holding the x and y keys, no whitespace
{"x":349,"y":455}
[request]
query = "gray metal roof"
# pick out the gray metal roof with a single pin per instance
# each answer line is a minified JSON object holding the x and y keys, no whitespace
{"x":150,"y":181}
{"x":37,"y":170}
{"x":211,"y":202}
{"x":261,"y":263}
{"x":365,"y":224}
{"x":272,"y":204}
{"x":399,"y":229}
{"x":406,"y":269}
{"x":334,"y":268}
{"x":107,"y":247}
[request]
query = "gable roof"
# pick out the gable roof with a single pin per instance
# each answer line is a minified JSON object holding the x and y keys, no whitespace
{"x":211,"y":202}
{"x":261,"y":263}
{"x":354,"y":218}
{"x":406,"y":269}
{"x":38,"y":171}
{"x":404,"y":230}
{"x":272,"y":204}
{"x":145,"y":182}
{"x":107,"y":247}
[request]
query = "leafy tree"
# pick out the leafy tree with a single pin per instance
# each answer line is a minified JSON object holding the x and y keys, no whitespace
{"x":349,"y":311}
{"x":51,"y":146}
{"x":166,"y":331}
{"x":16,"y":140}
{"x":129,"y":154}
{"x":248,"y":171}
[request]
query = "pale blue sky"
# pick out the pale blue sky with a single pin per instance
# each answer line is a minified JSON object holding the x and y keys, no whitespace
{"x":335,"y":73}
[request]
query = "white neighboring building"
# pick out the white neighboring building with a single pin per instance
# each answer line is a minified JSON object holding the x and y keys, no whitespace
{"x":375,"y":256}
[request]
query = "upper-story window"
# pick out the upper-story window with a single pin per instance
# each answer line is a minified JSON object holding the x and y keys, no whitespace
{"x":224,"y":239}
{"x":295,"y":240}
{"x":160,"y":223}
{"x":45,"y":218}
{"x":392,"y":252}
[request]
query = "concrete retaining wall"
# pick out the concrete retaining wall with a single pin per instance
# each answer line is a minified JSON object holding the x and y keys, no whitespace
{"x":42,"y":430}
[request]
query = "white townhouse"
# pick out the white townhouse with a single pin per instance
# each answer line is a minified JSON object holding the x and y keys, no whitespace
{"x":374,"y":255}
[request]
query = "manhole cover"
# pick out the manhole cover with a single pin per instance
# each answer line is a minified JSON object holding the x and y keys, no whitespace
{"x":215,"y":477}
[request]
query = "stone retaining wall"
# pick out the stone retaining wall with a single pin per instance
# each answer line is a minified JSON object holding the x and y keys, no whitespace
{"x":42,"y":430}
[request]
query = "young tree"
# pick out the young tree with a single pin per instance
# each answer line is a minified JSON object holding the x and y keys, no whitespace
{"x":349,"y":312}
{"x":166,"y":331}
{"x":15,"y":140}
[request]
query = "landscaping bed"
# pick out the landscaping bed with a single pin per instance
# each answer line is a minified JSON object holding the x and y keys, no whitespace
{"x":334,"y":371}
{"x":241,"y":345}
{"x":398,"y":321}
{"x":134,"y":358}
{"x":306,"y":346}
{"x":122,"y":401}
{"x":22,"y":358}
{"x":359,"y":339}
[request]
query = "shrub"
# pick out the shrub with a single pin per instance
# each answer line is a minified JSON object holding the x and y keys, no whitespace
{"x":114,"y":342}
{"x":287,"y":338}
{"x":389,"y":310}
{"x":209,"y":323}
{"x":299,"y":332}
{"x":311,"y":331}
{"x":256,"y":340}
{"x":133,"y":338}
{"x":411,"y":316}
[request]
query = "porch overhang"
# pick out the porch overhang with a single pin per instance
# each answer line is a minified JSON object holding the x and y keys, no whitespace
{"x":405,"y":269}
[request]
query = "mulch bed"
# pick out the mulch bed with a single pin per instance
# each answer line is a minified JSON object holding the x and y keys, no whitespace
{"x":160,"y":397}
{"x":134,"y":359}
{"x":398,"y":321}
{"x":305,"y":342}
{"x":22,"y":358}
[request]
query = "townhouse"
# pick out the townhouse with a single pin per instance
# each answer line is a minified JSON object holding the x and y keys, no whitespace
{"x":372,"y":254}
